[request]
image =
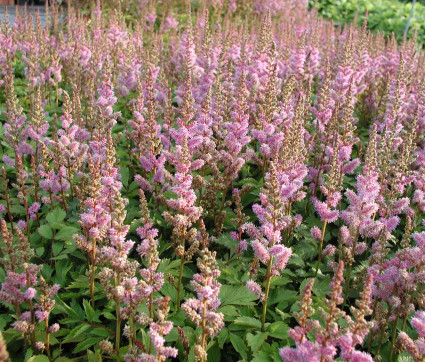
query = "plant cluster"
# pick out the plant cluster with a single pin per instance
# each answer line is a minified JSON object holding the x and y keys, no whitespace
{"x":216,"y":180}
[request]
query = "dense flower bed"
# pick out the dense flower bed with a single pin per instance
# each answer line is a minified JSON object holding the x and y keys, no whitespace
{"x":239,"y":181}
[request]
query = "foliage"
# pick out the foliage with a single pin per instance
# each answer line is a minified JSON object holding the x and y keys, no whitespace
{"x":230,"y":181}
{"x":388,"y":16}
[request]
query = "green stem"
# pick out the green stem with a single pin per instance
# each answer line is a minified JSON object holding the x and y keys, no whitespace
{"x":369,"y":345}
{"x":403,"y":325}
{"x":269,"y":278}
{"x":350,"y":268}
{"x":179,"y":286}
{"x":321,"y":248}
{"x":93,"y":255}
{"x":118,"y":326}
{"x":393,"y":337}
{"x":49,"y":355}
{"x":381,"y":337}
{"x":204,"y":323}
{"x":118,"y":311}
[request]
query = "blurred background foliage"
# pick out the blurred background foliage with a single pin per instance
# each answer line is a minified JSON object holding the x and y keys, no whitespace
{"x":388,"y":16}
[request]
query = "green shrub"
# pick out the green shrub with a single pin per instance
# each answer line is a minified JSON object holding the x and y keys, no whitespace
{"x":389,"y":16}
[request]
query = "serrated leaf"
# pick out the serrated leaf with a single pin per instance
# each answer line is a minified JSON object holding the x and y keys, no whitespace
{"x":296,"y":260}
{"x":248,"y":321}
{"x":222,"y":337}
{"x":66,"y":233}
{"x":214,"y":354}
{"x":61,"y":268}
{"x":171,"y":292}
{"x":109,"y":316}
{"x":167,"y":265}
{"x":39,"y":251}
{"x":56,"y":216}
{"x":76,"y":332}
{"x":82,"y":346}
{"x":283,"y":315}
{"x":278,"y":330}
{"x":229,"y":311}
{"x":172,"y":336}
{"x":90,"y":313}
{"x":4,"y":319}
{"x":125,"y":173}
{"x":45,"y":231}
{"x":94,"y":356}
{"x":404,"y":357}
{"x":100,"y":332}
{"x":256,"y":340}
{"x":39,"y":358}
{"x":28,"y":354}
{"x":227,"y":242}
{"x":81,"y":282}
{"x":239,"y":345}
{"x":321,"y":287}
{"x":236,"y":295}
{"x":17,"y":209}
{"x":249,"y":181}
{"x":262,"y":357}
{"x":57,"y":248}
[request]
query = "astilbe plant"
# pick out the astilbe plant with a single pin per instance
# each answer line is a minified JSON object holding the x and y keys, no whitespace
{"x":414,"y":348}
{"x":273,"y":214}
{"x":21,"y":286}
{"x":186,"y":213}
{"x":328,"y":334}
{"x":201,"y":310}
{"x":270,"y":143}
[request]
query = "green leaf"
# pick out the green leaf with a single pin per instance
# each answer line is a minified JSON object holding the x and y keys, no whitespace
{"x":248,"y":321}
{"x":82,"y":346}
{"x":170,"y":291}
{"x":39,"y":251}
{"x":296,"y":260}
{"x":61,"y":268}
{"x":229,"y":312}
{"x":66,"y":233}
{"x":81,"y":282}
{"x":227,"y":242}
{"x":109,"y":315}
{"x":76,"y":332}
{"x":404,"y":357}
{"x":125,"y":173}
{"x":172,"y":336}
{"x":45,"y":231}
{"x":94,"y":356}
{"x":4,"y":319}
{"x":28,"y":354}
{"x":214,"y":353}
{"x":239,"y":345}
{"x":57,"y":248}
{"x":101,"y":332}
{"x":166,"y":265}
{"x":262,"y":357}
{"x":321,"y":288}
{"x":90,"y":313}
{"x":236,"y":295}
{"x":222,"y":337}
{"x":56,"y":216}
{"x":17,"y":209}
{"x":38,"y":358}
{"x":278,"y":330}
{"x":256,"y":340}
